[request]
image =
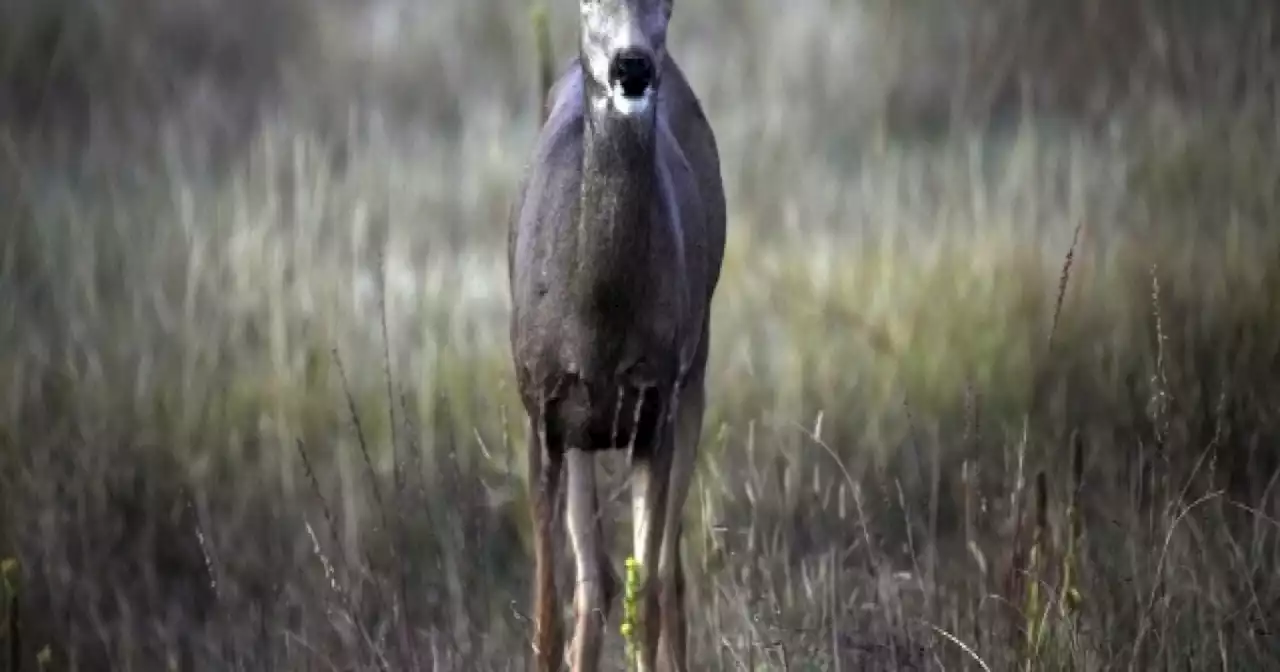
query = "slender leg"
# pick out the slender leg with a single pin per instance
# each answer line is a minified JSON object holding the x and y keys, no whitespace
{"x":670,"y":570}
{"x":591,"y":607}
{"x":609,"y":581}
{"x":544,"y":474}
{"x":650,"y":471}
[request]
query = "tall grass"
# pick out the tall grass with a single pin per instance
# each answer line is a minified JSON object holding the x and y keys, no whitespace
{"x":1001,"y":395}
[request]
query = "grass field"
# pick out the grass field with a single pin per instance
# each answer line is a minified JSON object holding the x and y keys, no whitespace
{"x":1002,"y":393}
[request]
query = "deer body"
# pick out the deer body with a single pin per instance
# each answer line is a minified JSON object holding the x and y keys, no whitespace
{"x":614,"y":252}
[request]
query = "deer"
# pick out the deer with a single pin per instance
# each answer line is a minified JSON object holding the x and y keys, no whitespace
{"x":615,"y":243}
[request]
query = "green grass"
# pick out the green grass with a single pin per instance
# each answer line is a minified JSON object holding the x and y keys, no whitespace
{"x":264,"y":416}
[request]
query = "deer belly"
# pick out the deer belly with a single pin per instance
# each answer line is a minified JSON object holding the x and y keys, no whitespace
{"x":611,"y":418}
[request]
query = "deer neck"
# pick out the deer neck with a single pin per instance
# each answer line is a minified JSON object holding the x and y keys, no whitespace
{"x":613,"y":231}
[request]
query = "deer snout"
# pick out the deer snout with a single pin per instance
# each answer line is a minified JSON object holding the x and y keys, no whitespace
{"x":632,"y":72}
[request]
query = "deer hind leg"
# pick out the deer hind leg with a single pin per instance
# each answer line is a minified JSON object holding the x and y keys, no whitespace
{"x":594,"y":589}
{"x":545,"y":459}
{"x":650,"y":473}
{"x":688,"y":429}
{"x":609,"y":580}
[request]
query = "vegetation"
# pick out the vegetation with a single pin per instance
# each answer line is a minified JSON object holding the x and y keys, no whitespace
{"x":993,"y":385}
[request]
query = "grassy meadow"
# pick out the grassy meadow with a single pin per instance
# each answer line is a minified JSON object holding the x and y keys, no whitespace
{"x":995,"y":376}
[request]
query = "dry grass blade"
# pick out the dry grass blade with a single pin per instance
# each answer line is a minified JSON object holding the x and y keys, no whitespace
{"x":1145,"y":622}
{"x":968,"y":650}
{"x":361,"y":439}
{"x":1063,"y":279}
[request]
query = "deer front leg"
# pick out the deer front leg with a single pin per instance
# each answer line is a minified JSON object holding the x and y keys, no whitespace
{"x":592,"y":595}
{"x":544,"y":475}
{"x":675,"y":626}
{"x":650,"y":471}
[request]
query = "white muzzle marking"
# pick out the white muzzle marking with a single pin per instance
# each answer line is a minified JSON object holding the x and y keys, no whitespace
{"x":630,"y":107}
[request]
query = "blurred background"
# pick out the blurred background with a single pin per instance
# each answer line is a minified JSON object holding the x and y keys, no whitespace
{"x":995,"y":379}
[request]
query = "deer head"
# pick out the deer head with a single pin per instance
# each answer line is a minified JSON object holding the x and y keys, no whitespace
{"x":623,"y":48}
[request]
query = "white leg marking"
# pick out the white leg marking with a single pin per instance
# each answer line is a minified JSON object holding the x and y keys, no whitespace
{"x":649,"y":495}
{"x":584,"y":534}
{"x":688,"y":431}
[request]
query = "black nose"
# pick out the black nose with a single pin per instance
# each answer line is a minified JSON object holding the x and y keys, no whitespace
{"x":632,"y":71}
